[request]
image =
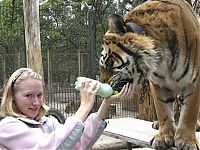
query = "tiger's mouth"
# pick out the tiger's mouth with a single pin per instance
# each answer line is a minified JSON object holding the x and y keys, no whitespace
{"x":117,"y":83}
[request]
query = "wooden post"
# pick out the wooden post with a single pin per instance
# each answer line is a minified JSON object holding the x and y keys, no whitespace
{"x":32,"y":35}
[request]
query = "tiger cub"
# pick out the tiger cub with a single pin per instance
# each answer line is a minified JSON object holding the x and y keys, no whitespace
{"x":158,"y":40}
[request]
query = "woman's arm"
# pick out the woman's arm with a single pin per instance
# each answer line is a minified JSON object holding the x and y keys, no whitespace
{"x":15,"y":134}
{"x":94,"y":125}
{"x":93,"y":128}
{"x":87,"y":94}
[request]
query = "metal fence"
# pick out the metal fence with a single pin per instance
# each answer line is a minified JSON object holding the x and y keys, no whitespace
{"x":66,"y":98}
{"x":61,"y":67}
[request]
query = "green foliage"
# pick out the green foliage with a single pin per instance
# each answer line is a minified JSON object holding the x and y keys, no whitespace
{"x":65,"y":36}
{"x":12,"y":38}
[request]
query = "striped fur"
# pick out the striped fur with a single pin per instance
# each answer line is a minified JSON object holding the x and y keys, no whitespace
{"x":166,"y":51}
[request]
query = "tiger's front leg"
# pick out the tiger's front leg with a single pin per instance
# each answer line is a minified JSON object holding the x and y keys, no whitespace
{"x":164,"y":108}
{"x":185,"y":136}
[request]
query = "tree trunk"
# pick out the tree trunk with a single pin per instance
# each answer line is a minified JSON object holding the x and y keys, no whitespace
{"x":32,"y":35}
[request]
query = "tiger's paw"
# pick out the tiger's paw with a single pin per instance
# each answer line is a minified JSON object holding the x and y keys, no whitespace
{"x":198,"y":126}
{"x":162,"y":141}
{"x":155,"y":125}
{"x":186,"y":144}
{"x":186,"y":141}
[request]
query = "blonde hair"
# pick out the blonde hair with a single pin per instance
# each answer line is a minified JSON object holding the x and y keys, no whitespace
{"x":8,"y":107}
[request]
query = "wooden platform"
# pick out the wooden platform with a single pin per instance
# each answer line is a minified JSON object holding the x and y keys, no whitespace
{"x":133,"y":131}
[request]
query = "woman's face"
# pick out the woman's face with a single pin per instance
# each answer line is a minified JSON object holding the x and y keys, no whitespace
{"x":28,"y":97}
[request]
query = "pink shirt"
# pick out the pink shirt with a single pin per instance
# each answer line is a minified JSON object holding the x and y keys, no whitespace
{"x":48,"y":133}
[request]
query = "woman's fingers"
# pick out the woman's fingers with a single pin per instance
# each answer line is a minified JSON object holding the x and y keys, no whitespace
{"x":87,"y":84}
{"x":126,"y":93}
{"x":128,"y":90}
{"x":90,"y":86}
{"x":82,"y":85}
{"x":96,"y":87}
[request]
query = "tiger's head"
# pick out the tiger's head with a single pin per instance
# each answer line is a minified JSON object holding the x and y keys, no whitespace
{"x":126,"y":56}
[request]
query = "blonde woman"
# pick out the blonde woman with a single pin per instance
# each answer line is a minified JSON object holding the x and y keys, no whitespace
{"x":25,"y":125}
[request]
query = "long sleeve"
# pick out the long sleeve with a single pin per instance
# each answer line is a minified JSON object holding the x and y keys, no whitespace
{"x":15,"y":134}
{"x":93,"y":128}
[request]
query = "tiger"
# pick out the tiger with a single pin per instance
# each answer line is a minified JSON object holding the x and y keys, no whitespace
{"x":158,"y":41}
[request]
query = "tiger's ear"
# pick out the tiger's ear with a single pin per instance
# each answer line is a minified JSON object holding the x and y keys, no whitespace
{"x":116,"y":24}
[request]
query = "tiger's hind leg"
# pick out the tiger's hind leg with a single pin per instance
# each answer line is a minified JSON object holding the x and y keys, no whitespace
{"x":155,"y":125}
{"x":164,"y":102}
{"x":185,"y":137}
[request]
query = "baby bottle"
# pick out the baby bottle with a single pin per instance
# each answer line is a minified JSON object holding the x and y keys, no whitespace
{"x":105,"y":90}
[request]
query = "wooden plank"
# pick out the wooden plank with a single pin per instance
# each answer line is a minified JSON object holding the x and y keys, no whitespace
{"x":131,"y":130}
{"x":136,"y":131}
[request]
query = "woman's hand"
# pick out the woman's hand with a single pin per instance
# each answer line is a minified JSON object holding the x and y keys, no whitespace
{"x":126,"y":93}
{"x":88,"y":91}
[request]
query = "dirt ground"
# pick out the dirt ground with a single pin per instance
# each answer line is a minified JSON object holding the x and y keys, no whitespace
{"x":109,"y":143}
